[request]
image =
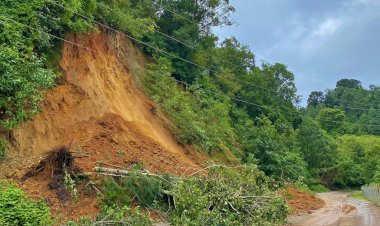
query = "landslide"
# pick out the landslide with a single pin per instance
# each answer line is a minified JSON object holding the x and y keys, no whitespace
{"x":99,"y":112}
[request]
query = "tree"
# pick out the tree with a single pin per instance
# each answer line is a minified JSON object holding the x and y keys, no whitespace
{"x":315,"y":98}
{"x":275,"y":149}
{"x":373,"y":123}
{"x":350,"y":170}
{"x":349,"y":83}
{"x":190,"y":21}
{"x":331,"y":120}
{"x":21,"y":82}
{"x":318,"y":148}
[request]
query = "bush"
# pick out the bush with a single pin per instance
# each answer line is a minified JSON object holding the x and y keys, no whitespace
{"x":16,"y":209}
{"x":228,"y":196}
{"x":139,"y":187}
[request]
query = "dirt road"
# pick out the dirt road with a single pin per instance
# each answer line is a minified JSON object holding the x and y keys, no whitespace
{"x":340,"y":210}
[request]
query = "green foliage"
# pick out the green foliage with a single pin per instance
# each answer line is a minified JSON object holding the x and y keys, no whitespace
{"x":17,"y":209}
{"x":318,"y":148}
{"x":114,"y":193}
{"x":21,"y":82}
{"x":116,"y":216}
{"x":3,"y":149}
{"x":177,"y":104}
{"x":126,"y":16}
{"x":194,"y":26}
{"x":360,"y":106}
{"x":70,"y":185}
{"x":201,"y":118}
{"x":135,"y":187}
{"x":274,"y":146}
{"x":349,"y":83}
{"x":319,"y":188}
{"x":125,"y":215}
{"x":315,"y":98}
{"x":331,"y":120}
{"x":23,"y":75}
{"x":228,"y":196}
{"x":358,"y":195}
{"x":265,"y":128}
{"x":359,"y":160}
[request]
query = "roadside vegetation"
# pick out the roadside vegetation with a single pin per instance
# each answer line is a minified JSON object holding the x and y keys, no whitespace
{"x":17,"y":209}
{"x":223,"y":102}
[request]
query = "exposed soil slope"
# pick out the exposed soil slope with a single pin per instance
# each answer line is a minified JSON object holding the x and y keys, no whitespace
{"x":98,"y":111}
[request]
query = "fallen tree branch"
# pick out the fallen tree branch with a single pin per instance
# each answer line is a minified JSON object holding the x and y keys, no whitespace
{"x":118,"y":172}
{"x":125,"y":173}
{"x":107,"y":164}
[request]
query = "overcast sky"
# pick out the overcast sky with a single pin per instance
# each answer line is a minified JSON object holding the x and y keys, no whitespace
{"x":321,"y":41}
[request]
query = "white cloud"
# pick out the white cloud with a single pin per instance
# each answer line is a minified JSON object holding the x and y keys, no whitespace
{"x":366,"y":2}
{"x":327,"y":27}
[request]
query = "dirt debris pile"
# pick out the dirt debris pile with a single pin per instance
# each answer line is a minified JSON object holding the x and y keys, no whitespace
{"x":302,"y":202}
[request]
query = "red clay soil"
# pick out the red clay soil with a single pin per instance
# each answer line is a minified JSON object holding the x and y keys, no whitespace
{"x":301,"y":202}
{"x":101,"y":115}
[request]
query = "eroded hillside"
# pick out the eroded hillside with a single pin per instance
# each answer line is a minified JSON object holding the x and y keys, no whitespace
{"x":99,"y":113}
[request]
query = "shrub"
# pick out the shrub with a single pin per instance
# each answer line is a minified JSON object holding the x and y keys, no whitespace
{"x":16,"y":209}
{"x":142,"y":188}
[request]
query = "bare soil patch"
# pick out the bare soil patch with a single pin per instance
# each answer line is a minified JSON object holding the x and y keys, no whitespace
{"x":302,"y":202}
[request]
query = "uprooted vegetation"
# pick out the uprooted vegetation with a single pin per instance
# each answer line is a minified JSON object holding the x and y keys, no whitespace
{"x":59,"y":168}
{"x":221,"y":195}
{"x":225,"y":196}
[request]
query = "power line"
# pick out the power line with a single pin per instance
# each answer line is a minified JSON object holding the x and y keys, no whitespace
{"x":184,"y":43}
{"x":264,"y":56}
{"x":94,"y":51}
{"x":175,"y":13}
{"x":161,"y":50}
{"x":178,"y":40}
{"x":256,"y":52}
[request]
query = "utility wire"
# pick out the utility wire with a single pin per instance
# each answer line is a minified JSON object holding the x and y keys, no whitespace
{"x":175,"y":13}
{"x":182,"y":42}
{"x":161,"y":50}
{"x":94,"y":51}
{"x":190,"y":46}
{"x":182,"y":82}
{"x":267,"y":57}
{"x":258,"y":53}
{"x":273,"y":60}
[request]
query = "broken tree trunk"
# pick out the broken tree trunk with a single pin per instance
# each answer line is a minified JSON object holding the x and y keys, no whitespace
{"x":121,"y":172}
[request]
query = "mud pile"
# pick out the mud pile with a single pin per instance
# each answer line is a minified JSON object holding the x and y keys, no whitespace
{"x":301,"y":202}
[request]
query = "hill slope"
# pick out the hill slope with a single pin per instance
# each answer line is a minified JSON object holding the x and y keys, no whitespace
{"x":99,"y":112}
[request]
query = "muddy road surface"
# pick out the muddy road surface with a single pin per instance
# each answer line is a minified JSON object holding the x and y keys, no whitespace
{"x":340,"y":210}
